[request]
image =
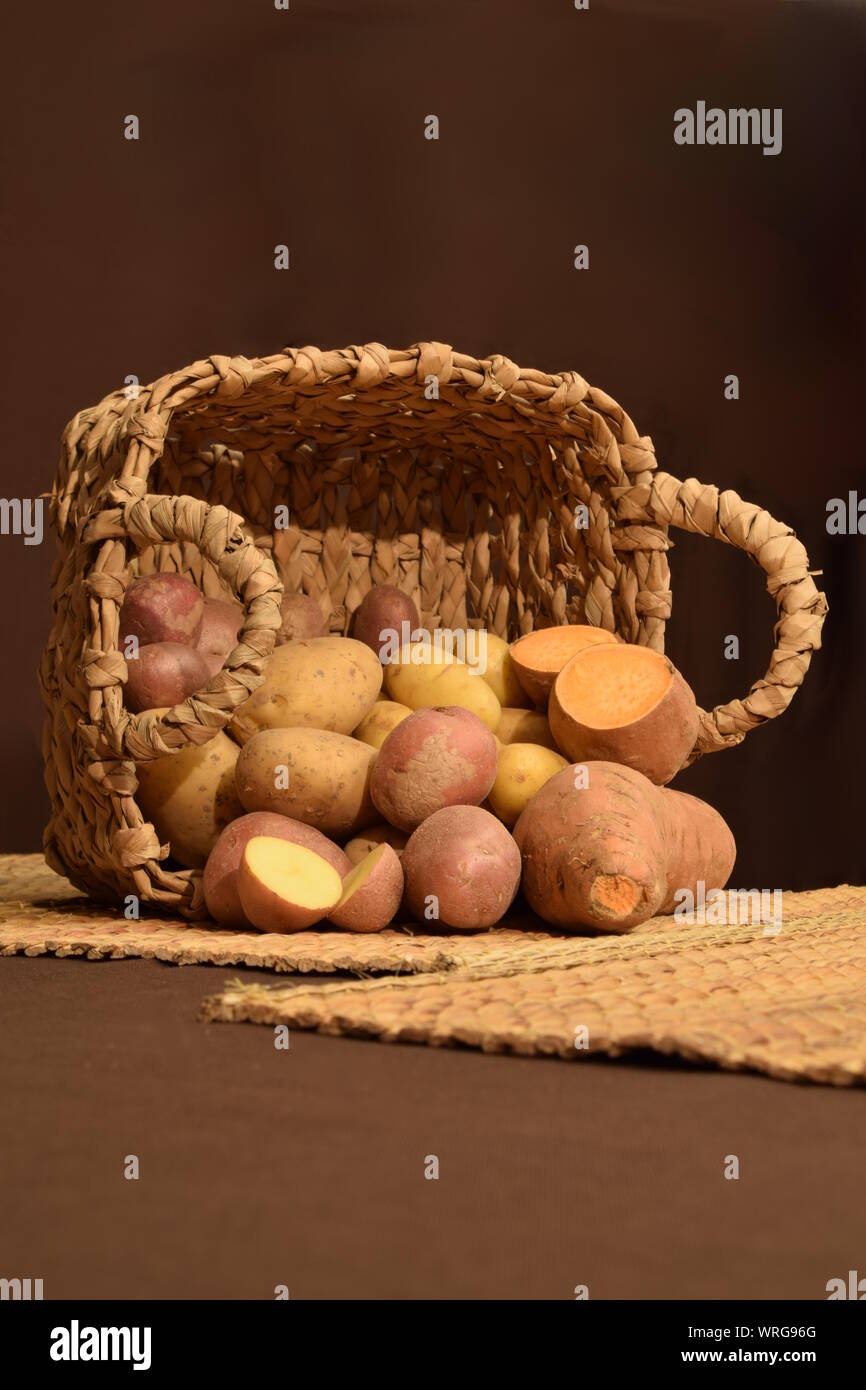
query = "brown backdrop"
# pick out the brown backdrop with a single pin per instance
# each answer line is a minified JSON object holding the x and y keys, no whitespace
{"x":260,"y":126}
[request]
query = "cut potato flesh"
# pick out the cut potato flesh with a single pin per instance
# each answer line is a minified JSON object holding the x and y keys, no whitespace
{"x":293,"y":871}
{"x":285,"y":887}
{"x":357,"y":877}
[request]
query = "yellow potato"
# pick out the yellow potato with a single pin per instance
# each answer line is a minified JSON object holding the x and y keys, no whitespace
{"x":313,"y":775}
{"x":190,"y":797}
{"x":375,"y":727}
{"x":317,"y":683}
{"x":525,"y":726}
{"x":494,"y":655}
{"x":422,"y":683}
{"x":522,"y":770}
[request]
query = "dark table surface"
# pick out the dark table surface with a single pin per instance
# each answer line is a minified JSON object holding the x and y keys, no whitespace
{"x":306,"y":1167}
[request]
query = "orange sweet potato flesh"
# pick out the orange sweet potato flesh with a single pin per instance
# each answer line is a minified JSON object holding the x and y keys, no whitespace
{"x":613,"y":852}
{"x":624,"y":704}
{"x":540,"y":656}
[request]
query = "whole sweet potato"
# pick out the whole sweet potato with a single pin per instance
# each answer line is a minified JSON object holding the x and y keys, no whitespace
{"x":602,"y":846}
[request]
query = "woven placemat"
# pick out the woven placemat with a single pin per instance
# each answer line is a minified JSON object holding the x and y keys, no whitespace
{"x":41,"y":914}
{"x":791,"y":1005}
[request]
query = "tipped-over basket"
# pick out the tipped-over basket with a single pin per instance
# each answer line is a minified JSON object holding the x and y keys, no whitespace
{"x":496,"y":496}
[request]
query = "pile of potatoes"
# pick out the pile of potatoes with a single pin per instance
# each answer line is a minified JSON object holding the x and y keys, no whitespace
{"x":389,"y":777}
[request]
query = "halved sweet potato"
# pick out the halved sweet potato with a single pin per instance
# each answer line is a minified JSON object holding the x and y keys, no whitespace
{"x":372,"y":892}
{"x":539,"y":657}
{"x":284,"y":887}
{"x":624,"y":704}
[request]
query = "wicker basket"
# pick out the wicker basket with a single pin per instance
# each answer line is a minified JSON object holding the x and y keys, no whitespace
{"x":456,"y":479}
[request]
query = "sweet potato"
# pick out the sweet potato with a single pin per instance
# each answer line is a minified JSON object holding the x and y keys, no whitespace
{"x":462,"y":869}
{"x":378,"y":621}
{"x":522,"y":769}
{"x":604,"y":847}
{"x":221,"y":871}
{"x":161,"y":608}
{"x":624,"y":704}
{"x":539,"y":657}
{"x":435,"y":758}
{"x":164,"y":674}
{"x":372,"y":892}
{"x":300,"y":618}
{"x":319,"y":683}
{"x":284,"y":887}
{"x":313,"y":775}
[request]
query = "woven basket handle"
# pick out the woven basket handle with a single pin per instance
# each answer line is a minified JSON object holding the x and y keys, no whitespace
{"x":149,"y":519}
{"x":773,"y":546}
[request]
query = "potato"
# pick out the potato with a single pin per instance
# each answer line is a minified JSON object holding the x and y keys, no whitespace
{"x":190,"y":796}
{"x":361,"y":845}
{"x":284,"y":887}
{"x":221,"y":870}
{"x":375,"y":727}
{"x":161,"y":608}
{"x":164,"y":673}
{"x":301,"y":618}
{"x":525,"y":726}
{"x":219,"y":632}
{"x":420,"y":682}
{"x":522,"y":770}
{"x":380,"y":618}
{"x":320,"y":683}
{"x":462,"y":869}
{"x":491,"y":657}
{"x":372,"y":892}
{"x":314,"y":775}
{"x":435,"y":758}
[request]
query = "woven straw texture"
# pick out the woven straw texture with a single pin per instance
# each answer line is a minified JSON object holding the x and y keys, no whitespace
{"x":791,"y":1005}
{"x":495,"y":495}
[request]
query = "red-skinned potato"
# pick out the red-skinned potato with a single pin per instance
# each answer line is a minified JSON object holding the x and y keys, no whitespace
{"x":219,"y":632}
{"x":161,"y":608}
{"x":378,"y":621}
{"x":285,"y":887}
{"x":300,"y":618}
{"x":164,"y":674}
{"x":462,"y":869}
{"x":372,"y":892}
{"x":433,"y":758}
{"x":220,"y":875}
